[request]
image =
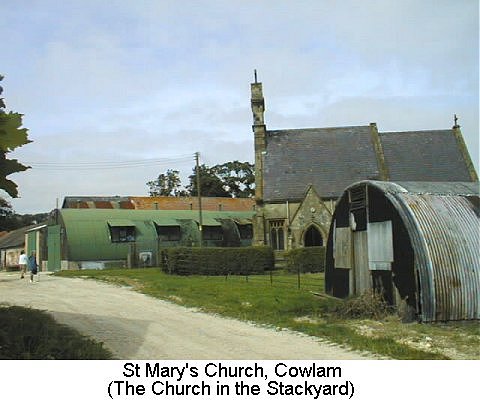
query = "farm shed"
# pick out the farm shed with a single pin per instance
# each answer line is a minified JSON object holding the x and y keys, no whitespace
{"x":415,"y":242}
{"x":95,"y":238}
{"x":11,"y":244}
{"x":28,"y":238}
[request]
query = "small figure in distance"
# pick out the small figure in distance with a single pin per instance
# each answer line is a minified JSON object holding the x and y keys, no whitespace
{"x":22,"y":264}
{"x":32,"y":266}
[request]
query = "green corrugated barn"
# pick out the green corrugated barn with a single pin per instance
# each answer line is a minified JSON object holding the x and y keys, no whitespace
{"x":95,"y":238}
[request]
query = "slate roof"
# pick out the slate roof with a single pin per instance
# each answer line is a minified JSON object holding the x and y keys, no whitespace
{"x":331,"y":159}
{"x":14,"y":238}
{"x":424,"y":156}
{"x":328,"y":158}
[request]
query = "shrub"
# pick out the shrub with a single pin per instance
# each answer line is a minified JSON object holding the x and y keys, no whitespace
{"x":306,"y":259}
{"x":217,"y":260}
{"x":369,"y":304}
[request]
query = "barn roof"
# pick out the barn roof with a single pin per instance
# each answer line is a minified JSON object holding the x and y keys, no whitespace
{"x":159,"y":203}
{"x":97,"y":202}
{"x":83,"y":215}
{"x":191,"y":203}
{"x":432,"y":188}
{"x":88,"y":235}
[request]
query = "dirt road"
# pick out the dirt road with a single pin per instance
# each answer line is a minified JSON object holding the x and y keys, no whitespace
{"x":136,"y":326}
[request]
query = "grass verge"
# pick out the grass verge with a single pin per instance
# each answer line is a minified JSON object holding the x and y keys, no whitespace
{"x":27,"y":334}
{"x":279,"y":303}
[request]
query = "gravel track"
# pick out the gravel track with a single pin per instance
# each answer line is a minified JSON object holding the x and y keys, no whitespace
{"x":137,"y":327}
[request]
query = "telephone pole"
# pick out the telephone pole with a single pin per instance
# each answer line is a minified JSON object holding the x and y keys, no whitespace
{"x":199,"y":194}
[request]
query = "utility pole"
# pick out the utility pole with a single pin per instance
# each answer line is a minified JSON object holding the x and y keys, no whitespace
{"x":199,"y":194}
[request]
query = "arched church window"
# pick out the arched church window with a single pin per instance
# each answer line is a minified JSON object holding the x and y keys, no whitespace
{"x":277,"y":235}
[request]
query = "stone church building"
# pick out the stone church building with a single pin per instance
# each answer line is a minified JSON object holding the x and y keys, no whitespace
{"x":300,"y":173}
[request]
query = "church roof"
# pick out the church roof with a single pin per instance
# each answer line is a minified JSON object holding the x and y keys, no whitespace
{"x":327,"y":158}
{"x":331,"y":159}
{"x":424,"y":156}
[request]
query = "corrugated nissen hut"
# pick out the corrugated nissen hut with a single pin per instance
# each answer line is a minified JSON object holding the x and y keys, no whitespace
{"x":416,"y":242}
{"x":95,"y":238}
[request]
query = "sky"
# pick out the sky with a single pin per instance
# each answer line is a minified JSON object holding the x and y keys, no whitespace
{"x":116,"y":92}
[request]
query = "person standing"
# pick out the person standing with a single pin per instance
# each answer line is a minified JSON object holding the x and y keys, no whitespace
{"x":22,"y":263}
{"x":32,"y":265}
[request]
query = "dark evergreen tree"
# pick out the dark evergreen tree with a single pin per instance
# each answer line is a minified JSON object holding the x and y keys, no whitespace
{"x":210,"y":184}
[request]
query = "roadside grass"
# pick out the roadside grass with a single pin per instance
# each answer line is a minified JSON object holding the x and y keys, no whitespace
{"x":279,"y":303}
{"x":27,"y":334}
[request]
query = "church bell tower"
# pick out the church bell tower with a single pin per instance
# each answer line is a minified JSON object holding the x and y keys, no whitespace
{"x":260,"y":131}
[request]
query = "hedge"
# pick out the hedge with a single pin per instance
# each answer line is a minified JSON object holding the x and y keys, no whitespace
{"x":28,"y":334}
{"x":217,"y":260}
{"x":306,"y":259}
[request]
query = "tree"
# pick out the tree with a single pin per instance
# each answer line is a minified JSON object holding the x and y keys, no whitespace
{"x":6,"y":213}
{"x":231,"y":179}
{"x":238,"y":178}
{"x":167,"y":184}
{"x":10,"y":221}
{"x":210,"y":184}
{"x":12,"y":135}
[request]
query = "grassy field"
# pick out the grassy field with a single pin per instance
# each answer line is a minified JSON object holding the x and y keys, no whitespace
{"x":277,"y":302}
{"x":27,"y":334}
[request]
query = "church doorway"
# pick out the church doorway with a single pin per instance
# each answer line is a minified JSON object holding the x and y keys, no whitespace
{"x":312,"y":237}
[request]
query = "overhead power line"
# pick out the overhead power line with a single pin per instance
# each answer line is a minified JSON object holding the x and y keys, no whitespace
{"x":44,"y":165}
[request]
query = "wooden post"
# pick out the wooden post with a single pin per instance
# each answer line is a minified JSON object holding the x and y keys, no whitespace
{"x":199,"y":195}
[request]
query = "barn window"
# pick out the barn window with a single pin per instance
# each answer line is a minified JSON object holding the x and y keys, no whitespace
{"x":168,"y":233}
{"x":121,"y":231}
{"x":245,"y":228}
{"x":246,"y":231}
{"x":212,"y":233}
{"x":277,"y":235}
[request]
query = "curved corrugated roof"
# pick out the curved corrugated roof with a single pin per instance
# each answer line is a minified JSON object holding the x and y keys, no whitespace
{"x":443,"y":224}
{"x":88,"y":234}
{"x":72,"y":214}
{"x":438,"y":188}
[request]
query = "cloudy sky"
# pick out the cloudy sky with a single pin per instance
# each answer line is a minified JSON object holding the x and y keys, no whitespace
{"x":116,"y":92}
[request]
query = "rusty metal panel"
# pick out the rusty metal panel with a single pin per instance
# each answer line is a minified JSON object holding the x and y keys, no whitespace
{"x":442,"y":221}
{"x":448,"y":254}
{"x":380,"y":245}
